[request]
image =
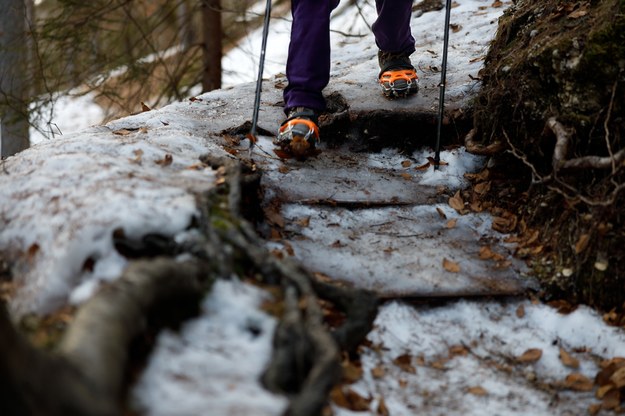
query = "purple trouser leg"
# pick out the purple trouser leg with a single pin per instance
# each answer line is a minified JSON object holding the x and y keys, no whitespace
{"x":308,"y":62}
{"x":392,"y":27}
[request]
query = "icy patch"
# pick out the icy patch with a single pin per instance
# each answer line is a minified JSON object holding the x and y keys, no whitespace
{"x":461,"y":358}
{"x":214,"y":364}
{"x":402,"y":250}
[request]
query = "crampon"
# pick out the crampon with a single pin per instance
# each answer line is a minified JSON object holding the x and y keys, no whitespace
{"x":399,"y":83}
{"x":298,"y":137}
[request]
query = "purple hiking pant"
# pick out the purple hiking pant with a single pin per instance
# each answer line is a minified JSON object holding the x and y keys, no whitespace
{"x":308,"y":63}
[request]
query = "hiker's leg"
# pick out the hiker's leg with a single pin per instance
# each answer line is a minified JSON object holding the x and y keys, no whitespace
{"x":308,"y":63}
{"x":392,"y":27}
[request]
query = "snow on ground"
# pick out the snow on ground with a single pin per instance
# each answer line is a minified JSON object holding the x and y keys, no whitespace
{"x":463,"y":358}
{"x":212,"y":365}
{"x":61,"y":200}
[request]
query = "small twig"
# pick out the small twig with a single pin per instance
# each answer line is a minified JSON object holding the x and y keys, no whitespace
{"x":606,"y":127}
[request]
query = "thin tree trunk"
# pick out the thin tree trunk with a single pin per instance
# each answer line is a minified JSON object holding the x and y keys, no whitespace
{"x":211,"y":22}
{"x":13,"y":84}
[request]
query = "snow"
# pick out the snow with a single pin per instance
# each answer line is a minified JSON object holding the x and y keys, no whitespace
{"x":487,"y":337}
{"x":61,"y":201}
{"x":214,"y":361}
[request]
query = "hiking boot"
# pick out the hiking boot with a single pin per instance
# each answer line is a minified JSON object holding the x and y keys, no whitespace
{"x":398,"y":78}
{"x":298,"y":135}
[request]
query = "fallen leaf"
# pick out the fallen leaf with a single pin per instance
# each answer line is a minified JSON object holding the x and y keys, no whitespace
{"x":458,"y":351}
{"x":143,"y":130}
{"x":603,"y":390}
{"x":166,"y":161}
{"x":423,"y":167}
{"x":283,"y":169}
{"x":477,"y":391}
{"x":406,"y":163}
{"x":520,"y":311}
{"x":138,"y":155}
{"x":122,"y":132}
{"x":406,"y":176}
{"x":378,"y":371}
{"x":531,"y":355}
{"x":568,"y":360}
{"x":451,"y":223}
{"x":382,"y":409}
{"x":144,"y":107}
{"x":506,"y":223}
{"x":577,"y":14}
{"x":497,"y":3}
{"x":611,"y":400}
{"x":404,"y":362}
{"x":482,"y":188}
{"x":594,"y":409}
{"x":582,"y":243}
{"x":618,"y":377}
{"x":403,"y":383}
{"x":303,"y":222}
{"x":441,"y":213}
{"x":451,"y":266}
{"x":455,"y":27}
{"x":351,"y":372}
{"x":457,"y":203}
{"x":578,"y":382}
{"x":338,"y":244}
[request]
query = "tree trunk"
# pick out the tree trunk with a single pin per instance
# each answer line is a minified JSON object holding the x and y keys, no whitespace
{"x":211,"y":22}
{"x":13,"y":85}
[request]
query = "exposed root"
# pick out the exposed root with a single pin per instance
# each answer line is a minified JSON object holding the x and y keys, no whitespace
{"x":479,"y":149}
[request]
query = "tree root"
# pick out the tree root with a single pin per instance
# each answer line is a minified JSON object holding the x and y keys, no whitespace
{"x":86,"y":375}
{"x":479,"y":149}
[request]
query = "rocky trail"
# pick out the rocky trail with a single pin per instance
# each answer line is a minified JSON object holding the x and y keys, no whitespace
{"x":457,"y":329}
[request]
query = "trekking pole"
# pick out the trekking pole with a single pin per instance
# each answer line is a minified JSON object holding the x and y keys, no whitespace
{"x":441,"y":99}
{"x":259,"y":81}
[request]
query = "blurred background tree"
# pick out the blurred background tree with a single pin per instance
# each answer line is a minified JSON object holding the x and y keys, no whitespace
{"x":124,"y":52}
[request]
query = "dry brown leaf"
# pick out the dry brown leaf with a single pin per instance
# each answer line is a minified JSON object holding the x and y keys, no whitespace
{"x":423,"y":167}
{"x":404,"y":362}
{"x":451,"y":266}
{"x":455,"y":27}
{"x":578,"y":13}
{"x":603,"y":390}
{"x":406,"y":163}
{"x":457,"y":203}
{"x":618,"y":377}
{"x":143,"y":130}
{"x":568,"y":360}
{"x":531,"y":355}
{"x":378,"y":371}
{"x":578,"y":382}
{"x":403,"y":383}
{"x":520,"y":311}
{"x":441,"y":213}
{"x":406,"y":176}
{"x":458,"y":350}
{"x":382,"y":409}
{"x":451,"y":223}
{"x":303,"y":222}
{"x":144,"y":107}
{"x":505,"y":223}
{"x":166,"y":161}
{"x":482,"y":187}
{"x":122,"y":132}
{"x":594,"y":409}
{"x":284,"y":169}
{"x":582,"y":243}
{"x":477,"y":391}
{"x":138,"y":155}
{"x":351,"y":372}
{"x":349,"y":399}
{"x":611,"y":400}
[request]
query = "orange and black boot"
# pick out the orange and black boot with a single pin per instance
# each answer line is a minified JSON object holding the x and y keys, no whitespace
{"x":398,"y":78}
{"x":298,"y":135}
